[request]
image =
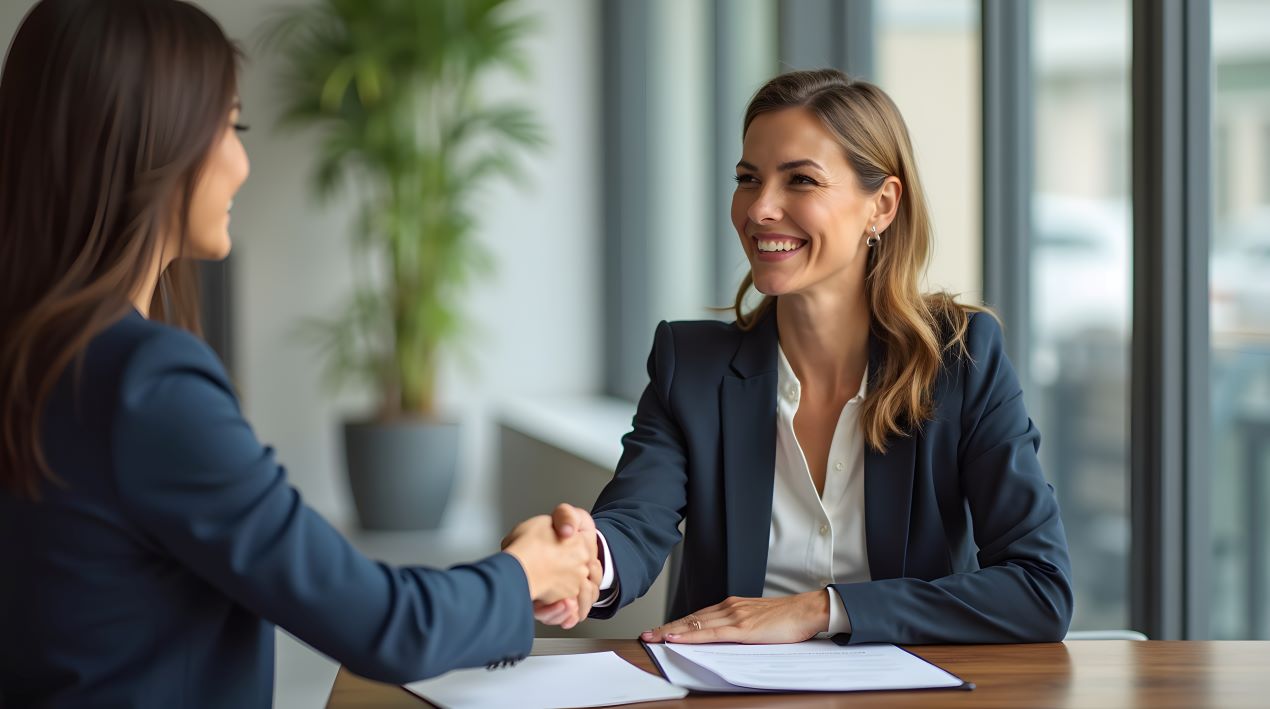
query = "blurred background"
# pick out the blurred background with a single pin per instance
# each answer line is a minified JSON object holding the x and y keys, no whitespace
{"x":621,"y":221}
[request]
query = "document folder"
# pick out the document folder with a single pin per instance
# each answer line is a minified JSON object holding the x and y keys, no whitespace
{"x":812,"y":666}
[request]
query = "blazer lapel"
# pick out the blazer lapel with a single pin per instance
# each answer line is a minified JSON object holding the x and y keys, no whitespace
{"x":748,"y":413}
{"x":888,"y":492}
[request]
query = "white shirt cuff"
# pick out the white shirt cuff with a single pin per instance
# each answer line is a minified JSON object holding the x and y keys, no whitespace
{"x":608,"y":582}
{"x":839,"y":621}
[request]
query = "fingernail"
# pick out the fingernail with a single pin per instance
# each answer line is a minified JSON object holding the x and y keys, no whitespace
{"x":566,"y":530}
{"x":672,"y":637}
{"x":646,"y":634}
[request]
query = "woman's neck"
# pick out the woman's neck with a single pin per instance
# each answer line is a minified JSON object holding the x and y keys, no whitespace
{"x":825,"y":337}
{"x":143,"y":296}
{"x":141,"y":301}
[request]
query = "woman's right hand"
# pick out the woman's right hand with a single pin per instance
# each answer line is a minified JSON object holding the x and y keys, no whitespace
{"x":555,"y":568}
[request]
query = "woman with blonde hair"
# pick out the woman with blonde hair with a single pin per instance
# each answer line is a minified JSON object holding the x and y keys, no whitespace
{"x":851,"y":456}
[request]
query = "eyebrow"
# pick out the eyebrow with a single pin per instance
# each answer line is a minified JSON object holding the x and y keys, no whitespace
{"x":785,"y":166}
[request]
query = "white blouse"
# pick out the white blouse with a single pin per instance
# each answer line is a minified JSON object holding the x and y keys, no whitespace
{"x":815,"y":539}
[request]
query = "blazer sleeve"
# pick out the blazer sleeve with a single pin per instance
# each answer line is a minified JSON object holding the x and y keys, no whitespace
{"x":191,"y":473}
{"x":1022,"y":591}
{"x":640,"y":509}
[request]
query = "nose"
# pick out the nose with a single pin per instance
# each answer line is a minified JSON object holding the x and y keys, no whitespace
{"x":766,"y":207}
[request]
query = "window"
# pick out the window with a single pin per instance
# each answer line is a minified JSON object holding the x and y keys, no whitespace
{"x":1239,"y":318}
{"x":1055,"y":144}
{"x":1077,"y":384}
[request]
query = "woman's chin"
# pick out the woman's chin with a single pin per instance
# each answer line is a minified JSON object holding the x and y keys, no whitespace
{"x":226,"y":247}
{"x":772,"y":286}
{"x":217,"y":250}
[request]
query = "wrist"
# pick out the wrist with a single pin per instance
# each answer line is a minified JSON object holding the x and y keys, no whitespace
{"x":527,"y":567}
{"x":818,"y":608}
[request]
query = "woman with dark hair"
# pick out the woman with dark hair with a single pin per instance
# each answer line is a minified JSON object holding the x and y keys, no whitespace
{"x":851,"y":456}
{"x":148,"y":541}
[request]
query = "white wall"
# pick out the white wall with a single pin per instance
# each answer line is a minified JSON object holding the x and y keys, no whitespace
{"x":928,"y":61}
{"x":537,"y":317}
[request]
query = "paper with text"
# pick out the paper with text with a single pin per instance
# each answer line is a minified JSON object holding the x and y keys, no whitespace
{"x":815,"y":665}
{"x":597,"y":679}
{"x":687,"y":674}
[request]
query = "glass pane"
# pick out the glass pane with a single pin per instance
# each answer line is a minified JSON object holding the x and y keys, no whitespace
{"x":1240,"y":321}
{"x":928,"y":61}
{"x":1077,"y":379}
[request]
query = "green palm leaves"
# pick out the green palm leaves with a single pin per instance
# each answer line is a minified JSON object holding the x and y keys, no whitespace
{"x":393,"y":88}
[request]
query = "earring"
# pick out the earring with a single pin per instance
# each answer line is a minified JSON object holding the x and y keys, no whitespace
{"x":873,"y":238}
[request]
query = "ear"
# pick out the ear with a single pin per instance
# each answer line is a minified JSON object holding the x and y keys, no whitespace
{"x":886,"y":202}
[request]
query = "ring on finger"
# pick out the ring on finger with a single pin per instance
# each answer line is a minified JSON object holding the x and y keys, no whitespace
{"x":693,"y":622}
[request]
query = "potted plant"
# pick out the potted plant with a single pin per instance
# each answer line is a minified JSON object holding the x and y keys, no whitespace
{"x":392,"y":87}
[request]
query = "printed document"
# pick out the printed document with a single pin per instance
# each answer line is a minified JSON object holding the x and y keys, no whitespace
{"x":597,"y":679}
{"x":815,"y":665}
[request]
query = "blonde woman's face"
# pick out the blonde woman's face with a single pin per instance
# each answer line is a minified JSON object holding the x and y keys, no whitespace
{"x":226,"y":170}
{"x":798,"y":208}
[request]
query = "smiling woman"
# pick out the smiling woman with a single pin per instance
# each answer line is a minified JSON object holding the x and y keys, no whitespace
{"x":859,"y":206}
{"x":852,"y":456}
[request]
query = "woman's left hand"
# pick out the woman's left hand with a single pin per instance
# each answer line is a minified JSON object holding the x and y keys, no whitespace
{"x":790,"y":619}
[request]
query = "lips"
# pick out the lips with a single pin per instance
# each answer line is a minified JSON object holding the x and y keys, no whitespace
{"x":771,"y":245}
{"x":777,"y":247}
{"x":776,"y":243}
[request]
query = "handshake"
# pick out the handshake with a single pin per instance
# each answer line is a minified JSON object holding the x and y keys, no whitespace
{"x":561,"y":558}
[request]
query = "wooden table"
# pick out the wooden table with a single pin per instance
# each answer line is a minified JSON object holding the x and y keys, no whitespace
{"x":1089,"y":673}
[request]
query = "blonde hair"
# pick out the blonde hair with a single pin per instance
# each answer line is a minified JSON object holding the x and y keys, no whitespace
{"x":915,"y":328}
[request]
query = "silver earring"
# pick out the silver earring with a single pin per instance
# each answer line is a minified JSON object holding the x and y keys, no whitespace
{"x":873,"y":238}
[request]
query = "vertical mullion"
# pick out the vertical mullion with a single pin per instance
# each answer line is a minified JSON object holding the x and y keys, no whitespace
{"x":626,"y":30}
{"x":1007,"y":169}
{"x":744,"y":58}
{"x":856,"y":48}
{"x":827,"y":33}
{"x":1197,"y":476}
{"x":805,"y":34}
{"x":1169,"y":404}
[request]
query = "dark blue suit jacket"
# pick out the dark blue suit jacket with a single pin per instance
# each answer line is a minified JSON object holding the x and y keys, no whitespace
{"x":963,"y":534}
{"x":155,"y":575}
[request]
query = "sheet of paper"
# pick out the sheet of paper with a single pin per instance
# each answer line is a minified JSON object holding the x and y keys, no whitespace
{"x":817,"y":665}
{"x":597,"y":679}
{"x":690,"y":675}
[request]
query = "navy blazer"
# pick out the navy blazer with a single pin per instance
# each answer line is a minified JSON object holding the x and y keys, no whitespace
{"x":963,"y":534}
{"x":154,"y":576}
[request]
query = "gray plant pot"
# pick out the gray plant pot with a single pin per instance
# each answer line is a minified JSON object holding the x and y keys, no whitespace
{"x":401,"y":473}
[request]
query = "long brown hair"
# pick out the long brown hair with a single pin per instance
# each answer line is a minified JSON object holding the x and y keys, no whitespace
{"x":914,"y":328}
{"x":107,"y":113}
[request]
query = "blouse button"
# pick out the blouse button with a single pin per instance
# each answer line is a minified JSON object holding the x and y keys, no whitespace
{"x":838,"y":465}
{"x":824,"y":529}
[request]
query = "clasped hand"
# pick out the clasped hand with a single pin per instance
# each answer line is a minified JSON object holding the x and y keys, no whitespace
{"x":561,"y":560}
